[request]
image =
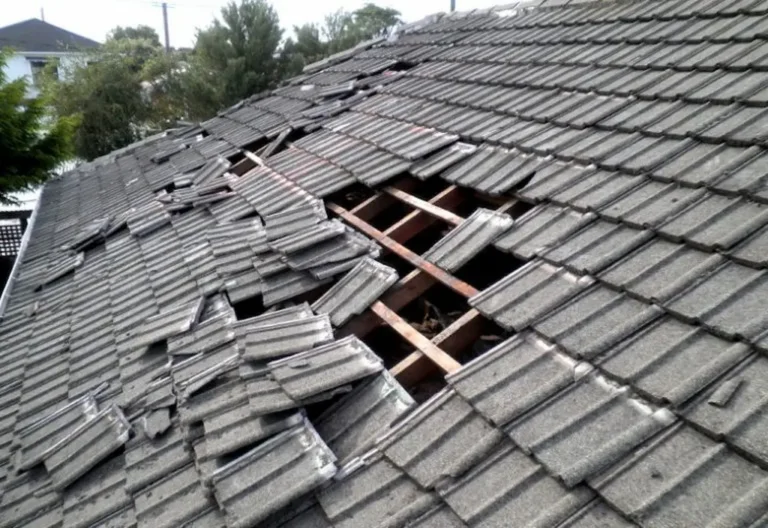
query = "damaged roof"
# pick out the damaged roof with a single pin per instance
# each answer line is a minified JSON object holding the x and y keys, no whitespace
{"x":190,"y":337}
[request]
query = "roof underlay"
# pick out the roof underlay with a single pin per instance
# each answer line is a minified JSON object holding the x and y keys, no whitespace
{"x":506,"y":269}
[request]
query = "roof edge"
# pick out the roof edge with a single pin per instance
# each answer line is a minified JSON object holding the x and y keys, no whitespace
{"x":19,"y":258}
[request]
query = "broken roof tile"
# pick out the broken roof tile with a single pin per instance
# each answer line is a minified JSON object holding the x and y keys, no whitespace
{"x":168,"y":323}
{"x":236,"y":427}
{"x":356,"y":291}
{"x":326,"y":367}
{"x":144,"y":220}
{"x":305,"y":238}
{"x":350,"y":425}
{"x":288,"y":285}
{"x":86,"y":446}
{"x":294,"y":219}
{"x":273,"y":340}
{"x":272,"y":475}
{"x":468,"y":239}
{"x":527,"y":294}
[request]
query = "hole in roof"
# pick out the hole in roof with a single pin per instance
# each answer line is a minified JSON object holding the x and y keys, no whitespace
{"x":434,"y":310}
{"x":402,"y":266}
{"x":351,"y":196}
{"x":388,"y":345}
{"x":488,"y":267}
{"x":429,"y":188}
{"x":427,"y":387}
{"x":427,"y":237}
{"x":169,"y":188}
{"x":251,"y":307}
{"x":400,"y":66}
{"x":390,"y":215}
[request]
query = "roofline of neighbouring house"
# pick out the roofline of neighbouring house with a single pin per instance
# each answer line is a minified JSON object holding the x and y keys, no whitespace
{"x":19,"y":258}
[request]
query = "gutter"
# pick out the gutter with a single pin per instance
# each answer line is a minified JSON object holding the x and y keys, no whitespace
{"x":22,"y":251}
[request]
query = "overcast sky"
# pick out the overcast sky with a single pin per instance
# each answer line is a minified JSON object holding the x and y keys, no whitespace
{"x":94,"y":18}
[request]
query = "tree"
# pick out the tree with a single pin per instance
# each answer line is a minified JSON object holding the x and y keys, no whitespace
{"x":30,"y":148}
{"x":234,"y":58}
{"x":120,"y":92}
{"x":135,"y":33}
{"x":344,"y":30}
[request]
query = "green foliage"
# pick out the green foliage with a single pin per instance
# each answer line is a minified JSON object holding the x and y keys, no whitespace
{"x":135,"y":33}
{"x":30,"y":147}
{"x":345,"y":30}
{"x":234,"y":58}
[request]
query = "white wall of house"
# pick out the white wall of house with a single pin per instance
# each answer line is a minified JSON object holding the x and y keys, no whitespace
{"x":20,"y":65}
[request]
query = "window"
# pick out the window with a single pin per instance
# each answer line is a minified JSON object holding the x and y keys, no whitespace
{"x":39,"y":66}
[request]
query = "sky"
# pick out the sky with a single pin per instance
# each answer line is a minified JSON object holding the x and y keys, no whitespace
{"x":94,"y":18}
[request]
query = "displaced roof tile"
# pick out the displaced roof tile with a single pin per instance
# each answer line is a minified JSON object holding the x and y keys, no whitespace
{"x":356,"y":291}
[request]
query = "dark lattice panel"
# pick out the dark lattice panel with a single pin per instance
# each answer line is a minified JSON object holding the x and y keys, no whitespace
{"x":11,"y":232}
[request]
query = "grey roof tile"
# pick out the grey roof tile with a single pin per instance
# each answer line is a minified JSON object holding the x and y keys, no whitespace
{"x":273,"y":340}
{"x":175,"y":499}
{"x":527,"y":294}
{"x":659,"y":270}
{"x":586,"y":428}
{"x":166,"y":324}
{"x":441,"y":439}
{"x":212,"y":401}
{"x":349,"y":245}
{"x":595,"y":246}
{"x":596,"y":189}
{"x":544,"y":225}
{"x":514,"y":376}
{"x":147,"y":219}
{"x":67,"y":263}
{"x":754,"y":250}
{"x":716,"y":222}
{"x":236,"y":427}
{"x":288,"y":285}
{"x":305,"y":238}
{"x":46,"y":432}
{"x":670,"y":361}
{"x":684,"y":477}
{"x":309,"y":518}
{"x":324,"y":368}
{"x":244,"y":286}
{"x":442,"y":160}
{"x":650,"y":204}
{"x":551,"y":179}
{"x":91,"y":500}
{"x":148,"y":460}
{"x":370,"y":491}
{"x":272,"y":475}
{"x":440,"y":517}
{"x":86,"y":446}
{"x":350,"y":425}
{"x":708,"y":299}
{"x":25,"y":497}
{"x":593,"y":321}
{"x":186,"y":374}
{"x":212,"y":170}
{"x":204,"y":337}
{"x":509,"y":489}
{"x":468,"y":239}
{"x":732,"y":408}
{"x":266,"y":396}
{"x":356,"y":291}
{"x":294,"y":219}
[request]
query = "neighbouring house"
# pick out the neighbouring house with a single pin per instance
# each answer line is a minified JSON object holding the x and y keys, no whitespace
{"x":505,"y":269}
{"x":36,"y":43}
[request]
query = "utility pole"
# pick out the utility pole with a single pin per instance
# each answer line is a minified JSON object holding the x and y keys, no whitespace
{"x":165,"y":26}
{"x":42,"y":14}
{"x":453,"y":6}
